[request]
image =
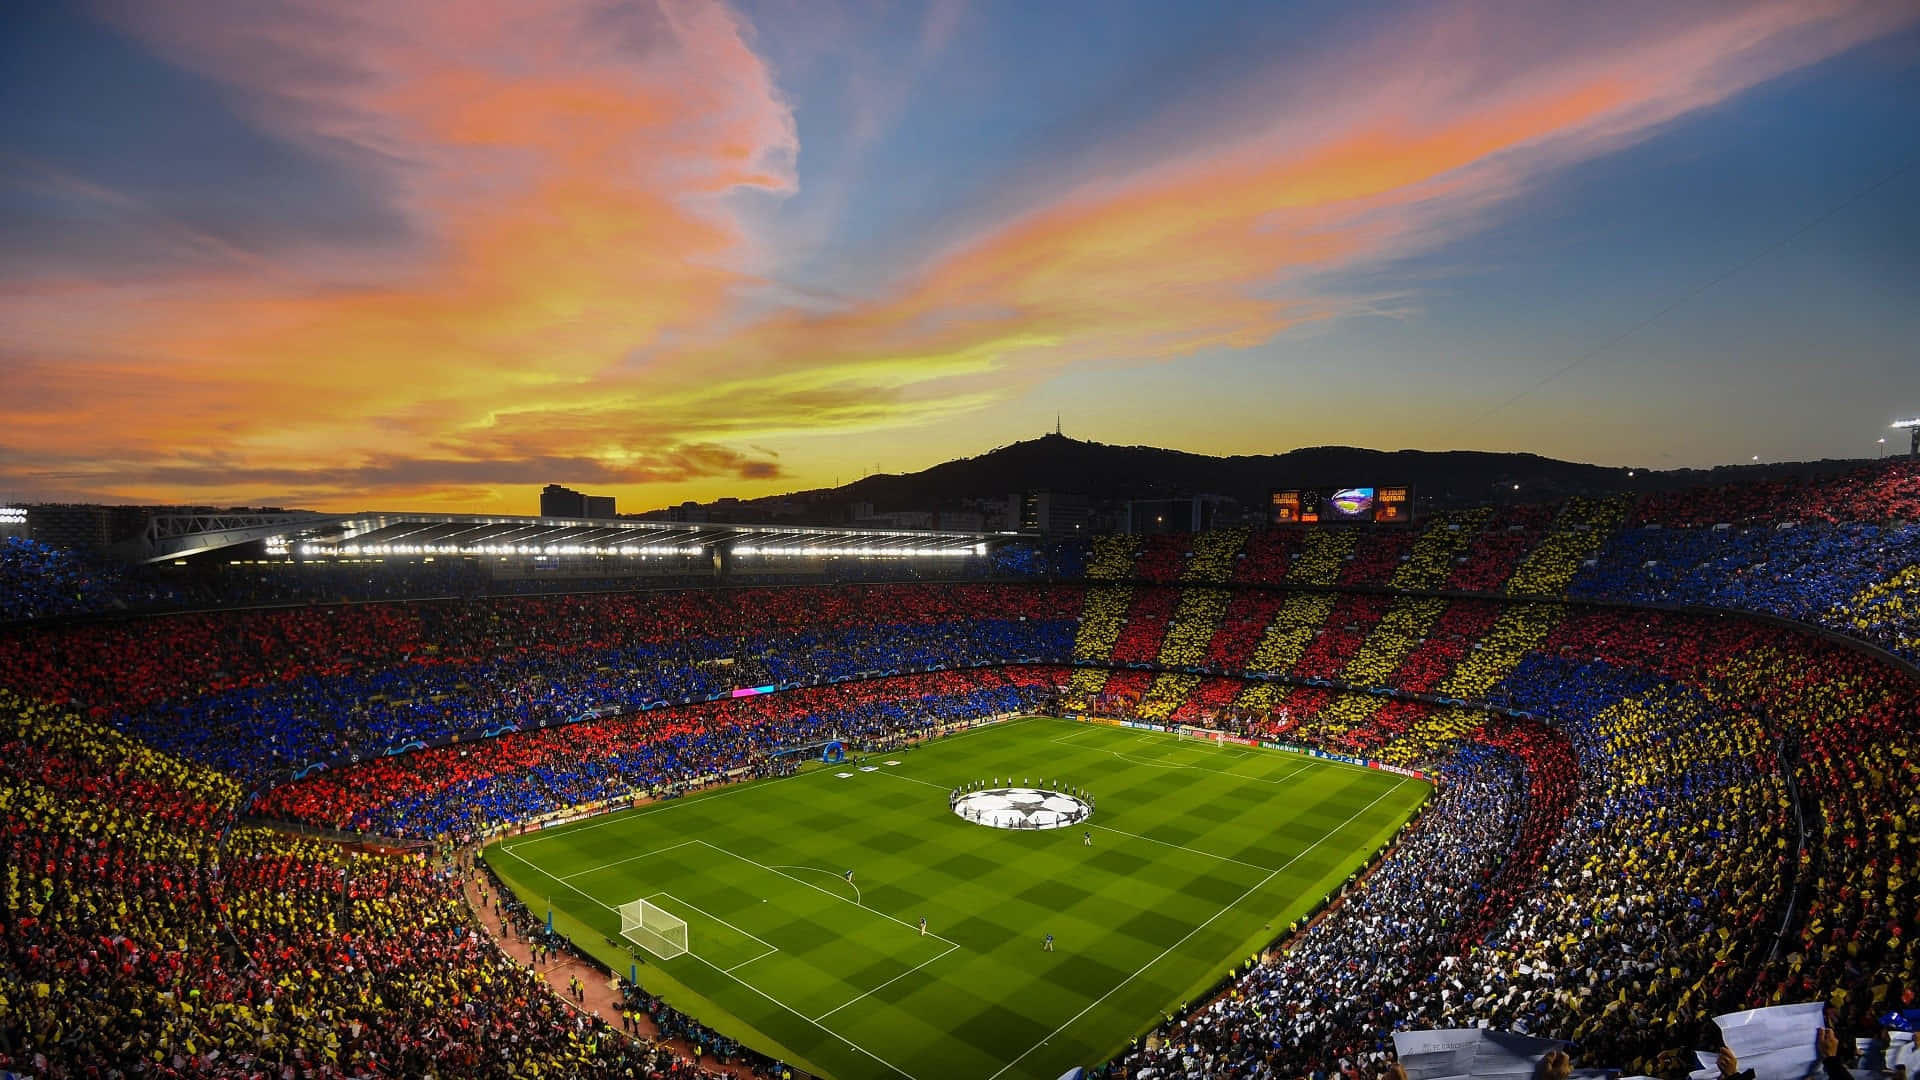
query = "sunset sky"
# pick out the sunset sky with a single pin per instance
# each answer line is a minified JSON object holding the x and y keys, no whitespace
{"x":349,"y":255}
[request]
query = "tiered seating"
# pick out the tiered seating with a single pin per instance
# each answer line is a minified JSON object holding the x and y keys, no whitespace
{"x":1102,"y":617}
{"x":1148,"y":615}
{"x":1281,"y":644}
{"x":1268,"y":556}
{"x":1352,"y":617}
{"x":464,"y":790}
{"x":133,"y":946}
{"x":1886,"y":613}
{"x":1377,"y":555}
{"x":1440,"y":543}
{"x":1583,"y":525}
{"x":1185,"y":645}
{"x":1112,"y":558}
{"x":1373,"y":663}
{"x":1160,"y":558}
{"x":1206,"y":700}
{"x":260,"y":693}
{"x":1242,"y":626}
{"x":1661,"y":890}
{"x":1213,"y":556}
{"x":1493,"y":553}
{"x":1322,"y":556}
{"x":38,"y":581}
{"x":1100,"y":624}
{"x":1460,"y":626}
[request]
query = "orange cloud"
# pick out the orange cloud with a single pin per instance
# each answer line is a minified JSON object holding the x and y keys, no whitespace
{"x":570,"y":302}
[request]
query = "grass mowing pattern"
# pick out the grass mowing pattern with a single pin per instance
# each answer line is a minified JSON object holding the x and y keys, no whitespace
{"x":1201,"y":855}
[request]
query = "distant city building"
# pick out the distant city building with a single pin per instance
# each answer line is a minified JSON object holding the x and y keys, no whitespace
{"x":688,"y":511}
{"x":1186,"y":514}
{"x":1054,"y":513}
{"x":564,"y":502}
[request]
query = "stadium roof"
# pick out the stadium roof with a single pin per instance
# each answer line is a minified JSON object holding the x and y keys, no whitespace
{"x":380,"y":534}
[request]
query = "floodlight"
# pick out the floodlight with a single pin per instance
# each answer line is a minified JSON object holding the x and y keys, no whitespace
{"x":1910,"y":422}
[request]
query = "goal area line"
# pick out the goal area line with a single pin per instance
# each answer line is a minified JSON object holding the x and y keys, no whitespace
{"x":767,"y":948}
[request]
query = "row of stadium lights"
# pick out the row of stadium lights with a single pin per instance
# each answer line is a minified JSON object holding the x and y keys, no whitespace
{"x":500,"y":549}
{"x":900,"y":552}
{"x":626,"y":549}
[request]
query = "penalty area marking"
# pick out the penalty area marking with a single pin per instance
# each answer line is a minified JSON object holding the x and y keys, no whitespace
{"x":728,"y":972}
{"x":623,"y":862}
{"x":817,"y":870}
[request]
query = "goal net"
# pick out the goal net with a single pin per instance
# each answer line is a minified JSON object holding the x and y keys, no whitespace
{"x":653,"y":929}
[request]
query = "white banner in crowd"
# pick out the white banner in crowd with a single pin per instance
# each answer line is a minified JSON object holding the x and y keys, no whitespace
{"x":1470,"y":1054}
{"x":1777,"y":1043}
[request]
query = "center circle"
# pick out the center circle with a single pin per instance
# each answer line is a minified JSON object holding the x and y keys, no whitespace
{"x":1021,"y":808}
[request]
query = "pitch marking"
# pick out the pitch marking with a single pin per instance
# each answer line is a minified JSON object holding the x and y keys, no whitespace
{"x":770,"y":946}
{"x":728,"y":972}
{"x":817,"y":870}
{"x":628,"y":859}
{"x":1169,"y":949}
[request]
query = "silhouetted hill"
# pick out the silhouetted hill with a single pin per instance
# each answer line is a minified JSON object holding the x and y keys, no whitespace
{"x":1441,"y":479}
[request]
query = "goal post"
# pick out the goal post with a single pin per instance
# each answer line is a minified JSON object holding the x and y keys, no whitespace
{"x":654,"y":929}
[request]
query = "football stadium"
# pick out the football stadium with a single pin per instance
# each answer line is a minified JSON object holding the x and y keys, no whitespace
{"x":959,"y":540}
{"x":1597,"y":770}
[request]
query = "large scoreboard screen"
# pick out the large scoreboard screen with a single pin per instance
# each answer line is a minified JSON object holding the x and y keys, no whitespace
{"x":1313,"y":506}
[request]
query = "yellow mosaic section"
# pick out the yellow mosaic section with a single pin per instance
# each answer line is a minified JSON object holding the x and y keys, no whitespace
{"x":1290,"y":632}
{"x":1445,"y":539}
{"x":1583,"y":525}
{"x":1213,"y":554}
{"x":1518,"y":630}
{"x":1322,"y":556}
{"x":1894,"y":603}
{"x":1195,"y":618}
{"x":1112,"y":558}
{"x":1101,"y":618}
{"x":1399,"y":630}
{"x":39,"y":724}
{"x":1168,"y":690}
{"x":1427,"y":736}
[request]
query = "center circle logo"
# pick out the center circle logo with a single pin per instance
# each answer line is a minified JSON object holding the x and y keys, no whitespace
{"x":1021,"y":808}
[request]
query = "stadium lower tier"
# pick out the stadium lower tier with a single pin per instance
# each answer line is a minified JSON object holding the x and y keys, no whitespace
{"x":463,"y":790}
{"x":261,"y":694}
{"x":1670,"y":816}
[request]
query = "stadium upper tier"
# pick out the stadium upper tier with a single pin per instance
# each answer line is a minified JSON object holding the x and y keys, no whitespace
{"x":1644,"y":818}
{"x":1840,"y":552}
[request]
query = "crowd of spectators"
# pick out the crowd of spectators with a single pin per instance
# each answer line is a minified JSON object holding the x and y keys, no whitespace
{"x":40,"y":581}
{"x":1652,"y":867}
{"x":1325,"y":1000}
{"x":1848,"y":576}
{"x":460,"y":790}
{"x":1144,"y":626}
{"x":139,"y":939}
{"x":263,"y":693}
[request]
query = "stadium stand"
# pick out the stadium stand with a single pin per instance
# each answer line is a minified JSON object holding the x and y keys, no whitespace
{"x":1646,"y":814}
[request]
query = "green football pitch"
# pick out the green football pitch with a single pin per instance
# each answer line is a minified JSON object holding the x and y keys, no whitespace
{"x":1201,"y":855}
